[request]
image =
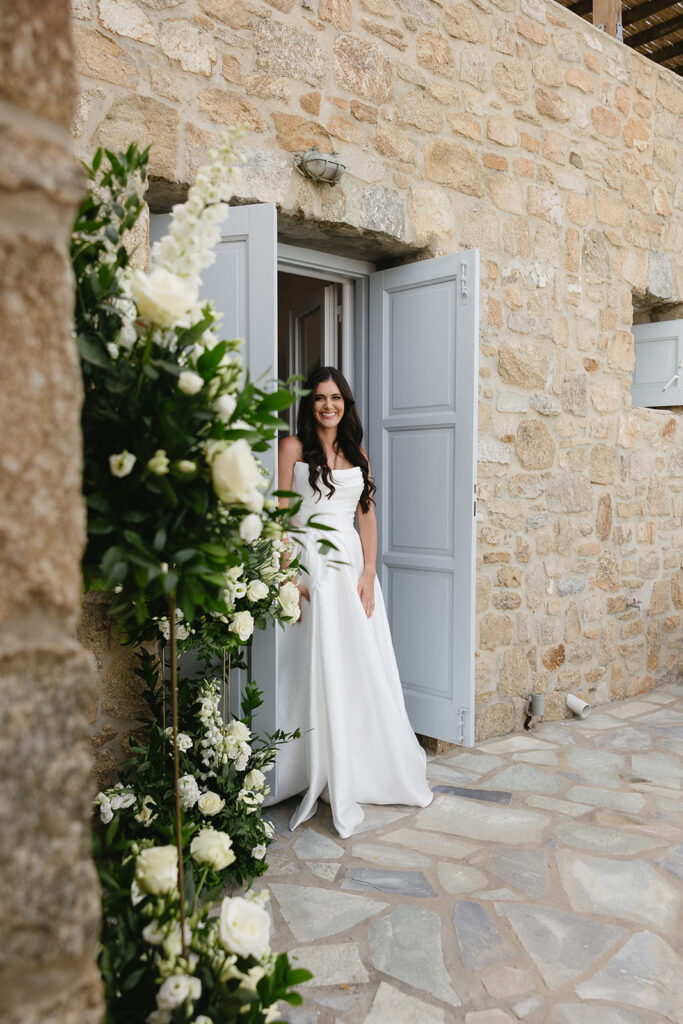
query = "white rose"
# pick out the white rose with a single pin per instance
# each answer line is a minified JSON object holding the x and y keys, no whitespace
{"x":158,"y":464}
{"x":225,"y":407}
{"x":176,"y":989}
{"x":161,"y":296}
{"x":213,"y":848}
{"x":184,"y":741}
{"x":210,"y":803}
{"x":156,"y":869}
{"x":250,"y":528}
{"x":255,"y":502}
{"x":254,"y":780}
{"x":189,"y":791}
{"x":244,"y":927}
{"x":236,"y":475}
{"x":122,"y":463}
{"x":259,"y":852}
{"x":238,"y":730}
{"x":190,"y":383}
{"x":288,"y":599}
{"x":257,"y":590}
{"x":243,"y":624}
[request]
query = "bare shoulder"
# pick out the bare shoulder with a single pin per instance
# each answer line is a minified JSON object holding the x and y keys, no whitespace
{"x":290,"y":448}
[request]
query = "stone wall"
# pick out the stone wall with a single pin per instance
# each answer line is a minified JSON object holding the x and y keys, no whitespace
{"x":513,"y":126}
{"x":49,"y":896}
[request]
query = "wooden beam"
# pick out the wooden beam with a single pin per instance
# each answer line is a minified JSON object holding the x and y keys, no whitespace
{"x":607,"y":14}
{"x":666,"y":54}
{"x":582,"y":7}
{"x":642,"y":11}
{"x":655,"y":32}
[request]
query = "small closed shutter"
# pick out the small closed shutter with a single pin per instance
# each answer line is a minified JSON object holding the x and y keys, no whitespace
{"x":658,"y":373}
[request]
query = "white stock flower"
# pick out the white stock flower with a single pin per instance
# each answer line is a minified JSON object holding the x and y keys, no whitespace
{"x":288,"y":599}
{"x":172,"y":944}
{"x":242,"y":758}
{"x":184,"y":741}
{"x":190,"y":383}
{"x":257,"y":590}
{"x":236,"y":475}
{"x":244,"y":927}
{"x":177,"y":989}
{"x":159,"y":464}
{"x":243,"y":625}
{"x":189,"y":791}
{"x":259,"y":852}
{"x":122,"y":463}
{"x":210,"y":803}
{"x":213,"y":848}
{"x":250,"y":528}
{"x":161,"y":296}
{"x":254,"y":780}
{"x":225,"y":407}
{"x":156,"y":869}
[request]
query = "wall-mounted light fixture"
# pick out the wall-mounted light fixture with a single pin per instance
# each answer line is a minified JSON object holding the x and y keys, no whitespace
{"x":319,"y":166}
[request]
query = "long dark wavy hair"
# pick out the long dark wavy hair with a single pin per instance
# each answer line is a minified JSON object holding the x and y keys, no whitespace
{"x":349,"y":437}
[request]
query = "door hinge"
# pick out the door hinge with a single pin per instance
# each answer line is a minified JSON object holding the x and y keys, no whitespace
{"x":463,"y":279}
{"x":461,"y":724}
{"x":475,"y":502}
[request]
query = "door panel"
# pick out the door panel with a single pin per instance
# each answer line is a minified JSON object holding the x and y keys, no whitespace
{"x":423,"y":367}
{"x":658,"y":373}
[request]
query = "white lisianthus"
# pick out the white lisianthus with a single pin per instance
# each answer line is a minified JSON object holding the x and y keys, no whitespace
{"x":154,"y":933}
{"x":238,"y":730}
{"x":186,"y":466}
{"x":244,"y":927}
{"x":239,"y":590}
{"x":254,"y":780}
{"x":104,"y":803}
{"x":213,"y":848}
{"x":225,"y":407}
{"x":177,"y":989}
{"x":242,"y":758}
{"x":250,"y":528}
{"x":156,"y":869}
{"x":159,"y":464}
{"x":184,"y":741}
{"x":146,"y":815}
{"x":288,"y":599}
{"x":190,"y":383}
{"x":189,"y":791}
{"x":210,"y":803}
{"x":236,"y":475}
{"x":259,"y":852}
{"x":250,"y":800}
{"x":257,"y":590}
{"x":202,"y":1019}
{"x":242,"y":624}
{"x":161,"y":296}
{"x":122,"y":463}
{"x":268,"y":829}
{"x":121,"y":800}
{"x":136,"y":893}
{"x":158,"y":1017}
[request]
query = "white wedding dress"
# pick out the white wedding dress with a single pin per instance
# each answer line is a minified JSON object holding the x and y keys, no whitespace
{"x":338,"y":678}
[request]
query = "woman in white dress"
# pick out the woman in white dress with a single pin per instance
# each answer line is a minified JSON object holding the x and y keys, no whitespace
{"x":338,"y":678}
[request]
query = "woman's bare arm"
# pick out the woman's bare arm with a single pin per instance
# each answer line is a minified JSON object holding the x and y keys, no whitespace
{"x":367,"y":528}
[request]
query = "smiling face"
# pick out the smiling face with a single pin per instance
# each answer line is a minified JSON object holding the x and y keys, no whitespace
{"x":328,"y":404}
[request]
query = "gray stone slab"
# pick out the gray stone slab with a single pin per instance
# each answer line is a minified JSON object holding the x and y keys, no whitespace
{"x":549,"y":803}
{"x":393,"y":1005}
{"x":481,"y":944}
{"x":298,"y":1015}
{"x":505,"y":982}
{"x":341,"y":1001}
{"x":390,"y":856}
{"x":629,"y":708}
{"x":316,"y":913}
{"x":645,"y":973}
{"x":674,"y":732}
{"x":474,"y":762}
{"x":378,"y":817}
{"x":659,"y":768}
{"x":496,"y":895}
{"x":489,"y":822}
{"x":665,"y":716}
{"x":625,"y":889}
{"x":491,"y":796}
{"x":527,"y":778}
{"x":525,"y":870}
{"x":556,"y":732}
{"x":312,"y":846}
{"x":494,"y":1016}
{"x":548,"y":757}
{"x":336,"y":964}
{"x":578,"y":1013}
{"x":616,"y":800}
{"x":562,"y":945}
{"x":430,"y":842}
{"x":323,"y":868}
{"x":511,"y":744}
{"x":406,"y":944}
{"x":585,"y":836}
{"x":598,"y":766}
{"x":525,"y":1007}
{"x":401,"y":883}
{"x":460,"y":878}
{"x":672,"y":861}
{"x":442,"y":773}
{"x":628,"y":739}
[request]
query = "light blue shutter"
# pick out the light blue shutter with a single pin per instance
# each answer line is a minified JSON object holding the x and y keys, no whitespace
{"x":658,"y":373}
{"x":422,"y":396}
{"x":242,"y":283}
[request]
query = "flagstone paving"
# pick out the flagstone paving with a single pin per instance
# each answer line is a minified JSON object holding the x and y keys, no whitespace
{"x":543,"y":884}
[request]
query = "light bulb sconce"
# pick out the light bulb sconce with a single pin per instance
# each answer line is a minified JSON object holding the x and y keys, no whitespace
{"x":327,"y":167}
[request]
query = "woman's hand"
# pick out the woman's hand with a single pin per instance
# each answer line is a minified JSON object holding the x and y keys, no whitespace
{"x":366,"y":592}
{"x":303,"y":592}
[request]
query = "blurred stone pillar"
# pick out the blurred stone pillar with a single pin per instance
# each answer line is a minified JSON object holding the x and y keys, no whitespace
{"x":49,"y":897}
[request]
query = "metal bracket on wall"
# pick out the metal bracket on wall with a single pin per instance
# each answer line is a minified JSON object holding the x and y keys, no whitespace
{"x":463,"y":280}
{"x":461,"y":724}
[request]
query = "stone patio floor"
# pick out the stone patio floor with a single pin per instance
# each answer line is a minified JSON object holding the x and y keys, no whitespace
{"x":543,"y":884}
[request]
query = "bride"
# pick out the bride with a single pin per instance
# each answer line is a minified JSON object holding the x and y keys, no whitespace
{"x":338,"y":678}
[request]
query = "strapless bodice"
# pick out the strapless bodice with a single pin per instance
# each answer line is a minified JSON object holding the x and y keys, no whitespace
{"x":337,"y":510}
